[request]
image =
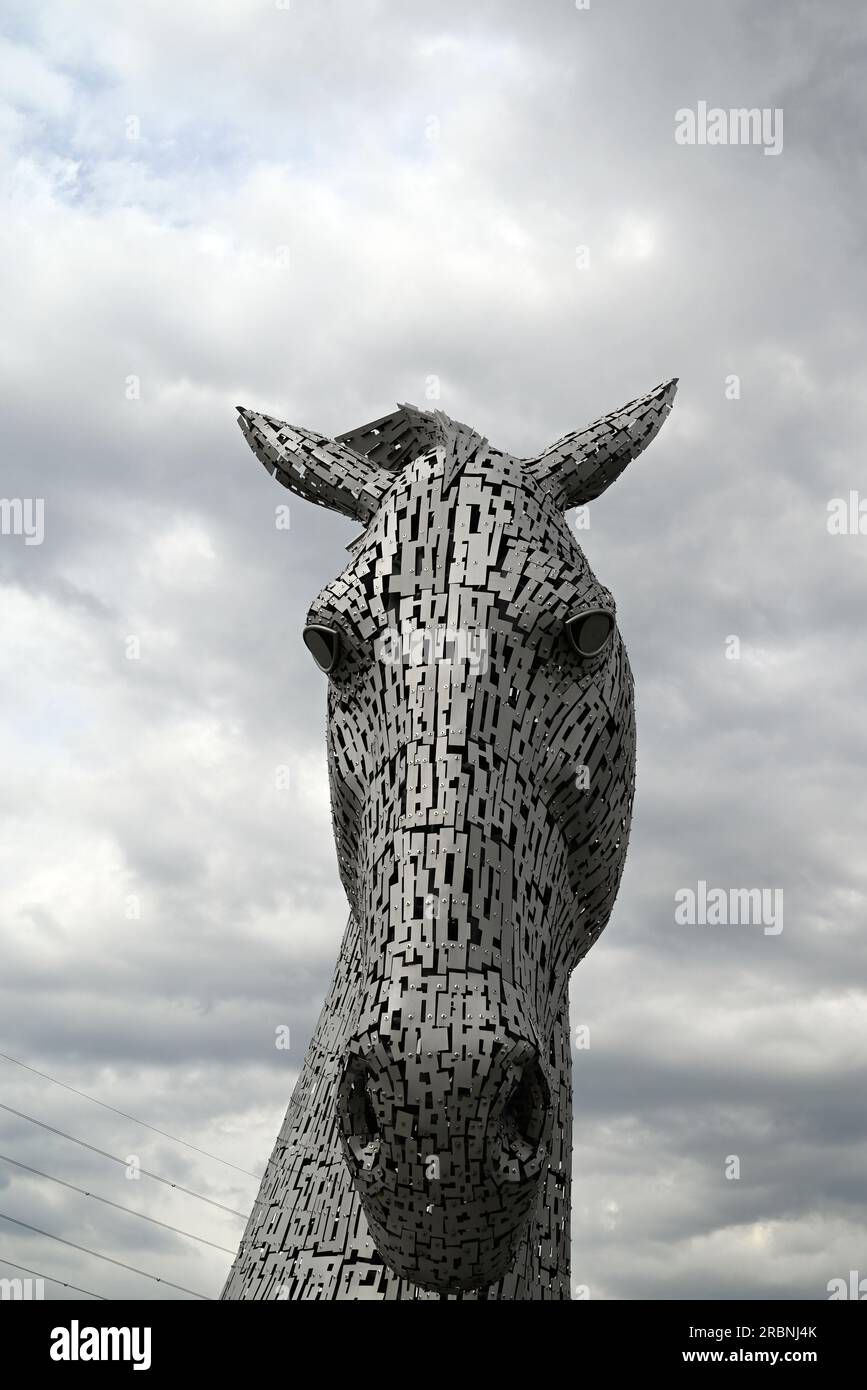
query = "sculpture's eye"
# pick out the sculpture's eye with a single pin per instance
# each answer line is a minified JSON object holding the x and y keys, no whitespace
{"x":323,"y":643}
{"x":590,"y":631}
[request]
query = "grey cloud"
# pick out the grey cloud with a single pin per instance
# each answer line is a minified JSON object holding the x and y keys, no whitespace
{"x":411,"y":258}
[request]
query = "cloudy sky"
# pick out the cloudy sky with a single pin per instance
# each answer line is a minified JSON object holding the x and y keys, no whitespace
{"x":318,"y":209}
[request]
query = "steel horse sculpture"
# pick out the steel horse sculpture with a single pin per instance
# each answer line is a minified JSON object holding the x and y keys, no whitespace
{"x":481,"y":750}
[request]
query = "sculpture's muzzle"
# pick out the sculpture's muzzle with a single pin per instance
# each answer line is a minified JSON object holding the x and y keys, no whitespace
{"x":446,"y":1150}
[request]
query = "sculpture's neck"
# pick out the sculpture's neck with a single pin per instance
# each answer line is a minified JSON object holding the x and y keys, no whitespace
{"x":307,"y":1236}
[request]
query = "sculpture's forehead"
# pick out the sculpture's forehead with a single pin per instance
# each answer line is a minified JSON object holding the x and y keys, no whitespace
{"x":441,"y":499}
{"x":481,"y":528}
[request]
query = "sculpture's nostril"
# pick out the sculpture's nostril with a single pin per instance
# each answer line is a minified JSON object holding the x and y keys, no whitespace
{"x":522,"y":1122}
{"x":357,"y":1114}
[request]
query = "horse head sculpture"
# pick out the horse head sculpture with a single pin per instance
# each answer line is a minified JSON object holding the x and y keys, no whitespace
{"x":481,"y":750}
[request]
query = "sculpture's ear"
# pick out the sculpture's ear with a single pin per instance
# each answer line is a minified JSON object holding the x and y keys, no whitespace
{"x":325,"y":471}
{"x":580,"y":466}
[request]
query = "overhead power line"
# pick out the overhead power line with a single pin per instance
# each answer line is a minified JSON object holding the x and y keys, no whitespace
{"x":165,"y":1134}
{"x":118,"y":1206}
{"x":108,"y":1258}
{"x":114,"y":1158}
{"x":52,"y":1280}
